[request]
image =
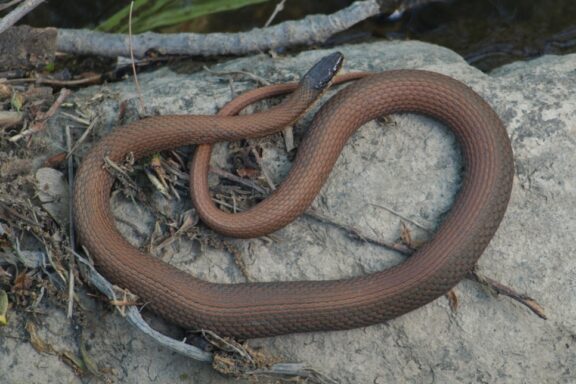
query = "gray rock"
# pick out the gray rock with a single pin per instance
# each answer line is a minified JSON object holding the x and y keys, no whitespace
{"x":406,"y":171}
{"x":52,"y":189}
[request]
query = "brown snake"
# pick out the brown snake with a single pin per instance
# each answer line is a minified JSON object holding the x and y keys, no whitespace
{"x":264,"y":309}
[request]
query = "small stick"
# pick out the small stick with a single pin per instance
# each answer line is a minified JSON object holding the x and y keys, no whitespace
{"x":70,"y":223}
{"x":8,"y":211}
{"x":82,"y":138}
{"x":77,"y":119}
{"x":120,"y":174}
{"x":311,"y":30}
{"x":254,"y":77}
{"x":226,"y":345}
{"x":70,"y":83}
{"x":69,"y":148}
{"x":224,"y":204}
{"x":64,"y":93}
{"x":42,"y":117}
{"x":44,"y":80}
{"x":160,"y":187}
{"x":356,"y":233}
{"x":130,"y":48}
{"x":288,"y":134}
{"x":414,"y":222}
{"x":18,"y":13}
{"x":279,"y":8}
{"x":19,"y":80}
{"x":502,"y":289}
{"x":264,"y":172}
{"x":492,"y":285}
{"x":245,"y":182}
{"x":8,"y":4}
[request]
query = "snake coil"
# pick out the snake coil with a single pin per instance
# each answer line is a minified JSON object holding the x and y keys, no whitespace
{"x":265,"y":309}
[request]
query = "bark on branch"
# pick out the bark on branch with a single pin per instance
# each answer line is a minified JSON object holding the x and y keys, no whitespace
{"x":310,"y":30}
{"x":18,"y":13}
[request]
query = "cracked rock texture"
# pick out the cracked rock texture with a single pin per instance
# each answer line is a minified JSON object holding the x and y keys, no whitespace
{"x":403,"y":170}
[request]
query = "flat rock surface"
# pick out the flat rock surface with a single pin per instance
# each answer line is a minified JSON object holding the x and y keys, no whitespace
{"x":405,"y":170}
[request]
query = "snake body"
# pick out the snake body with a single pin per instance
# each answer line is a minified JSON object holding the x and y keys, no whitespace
{"x":249,"y":310}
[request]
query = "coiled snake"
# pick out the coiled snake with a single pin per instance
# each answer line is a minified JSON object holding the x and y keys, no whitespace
{"x":264,"y":309}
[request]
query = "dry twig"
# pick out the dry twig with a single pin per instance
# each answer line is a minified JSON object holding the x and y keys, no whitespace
{"x":295,"y":370}
{"x":121,"y":174}
{"x":82,"y":138}
{"x":357,"y":233}
{"x":237,"y":179}
{"x":68,"y":83}
{"x":279,"y":8}
{"x":59,"y":83}
{"x":18,"y":13}
{"x":310,"y":30}
{"x":130,"y":48}
{"x":403,"y":217}
{"x":258,"y":79}
{"x":72,"y":237}
{"x":9,"y":4}
{"x":502,"y":289}
{"x":262,"y":169}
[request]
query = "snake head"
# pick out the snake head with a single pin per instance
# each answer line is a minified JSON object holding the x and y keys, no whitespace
{"x":321,"y":74}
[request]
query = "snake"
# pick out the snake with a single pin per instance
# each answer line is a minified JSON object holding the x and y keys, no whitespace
{"x":263,"y":309}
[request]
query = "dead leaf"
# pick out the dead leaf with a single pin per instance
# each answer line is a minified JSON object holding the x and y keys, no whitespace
{"x":37,"y":343}
{"x":406,"y":235}
{"x":22,"y":282}
{"x":5,"y":91}
{"x":249,"y":173}
{"x":73,"y":361}
{"x":55,"y":160}
{"x":17,"y":101}
{"x":452,"y":300}
{"x":156,"y":165}
{"x":4,"y":273}
{"x":88,"y":362}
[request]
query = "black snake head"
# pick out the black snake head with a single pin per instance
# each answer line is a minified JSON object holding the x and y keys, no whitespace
{"x":320,"y":75}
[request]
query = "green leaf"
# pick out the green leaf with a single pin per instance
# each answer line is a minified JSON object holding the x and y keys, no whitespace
{"x":17,"y":101}
{"x":3,"y":307}
{"x":50,"y":67}
{"x":149,"y":15}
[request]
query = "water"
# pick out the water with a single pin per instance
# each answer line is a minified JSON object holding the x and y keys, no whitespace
{"x":488,"y":33}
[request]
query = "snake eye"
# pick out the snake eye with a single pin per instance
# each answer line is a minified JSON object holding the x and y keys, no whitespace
{"x":320,"y":75}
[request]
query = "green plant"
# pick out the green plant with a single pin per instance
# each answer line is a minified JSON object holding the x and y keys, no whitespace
{"x":149,"y":15}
